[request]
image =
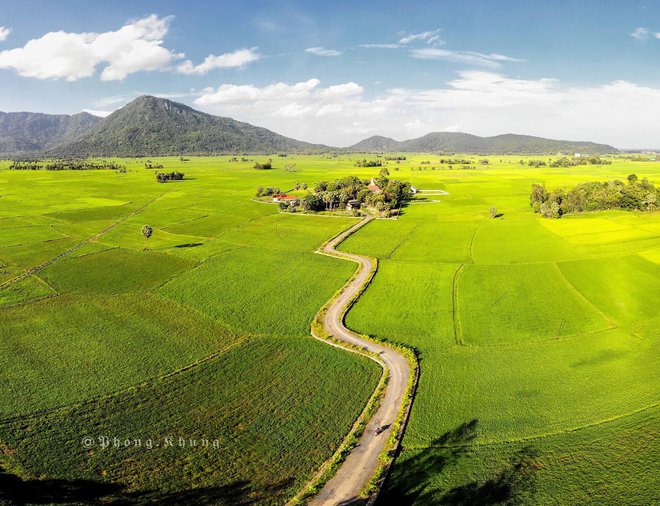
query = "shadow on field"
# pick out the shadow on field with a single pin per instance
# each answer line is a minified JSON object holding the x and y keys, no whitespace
{"x":189,"y":245}
{"x":16,"y":491}
{"x":412,"y":481}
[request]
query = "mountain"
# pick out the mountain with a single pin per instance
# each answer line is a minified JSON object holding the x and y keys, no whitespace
{"x":157,"y":126}
{"x":28,"y":132}
{"x":375,"y":143}
{"x":456,"y":142}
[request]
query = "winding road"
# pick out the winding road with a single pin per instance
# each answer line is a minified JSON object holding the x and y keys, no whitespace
{"x":362,"y":462}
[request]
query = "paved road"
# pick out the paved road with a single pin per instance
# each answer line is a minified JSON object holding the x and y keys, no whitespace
{"x":362,"y":462}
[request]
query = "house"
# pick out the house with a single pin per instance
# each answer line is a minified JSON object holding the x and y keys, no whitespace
{"x":414,"y":190}
{"x":353,"y":204}
{"x":373,"y":187}
{"x":289,"y":199}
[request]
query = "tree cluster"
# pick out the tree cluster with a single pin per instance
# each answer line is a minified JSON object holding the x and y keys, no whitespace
{"x":368,"y":163}
{"x":163,"y":177}
{"x":595,"y":196}
{"x":267,"y":191}
{"x":264,"y":166}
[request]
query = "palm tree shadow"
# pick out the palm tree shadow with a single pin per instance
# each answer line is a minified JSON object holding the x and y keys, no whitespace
{"x":415,"y":473}
{"x":414,"y":477}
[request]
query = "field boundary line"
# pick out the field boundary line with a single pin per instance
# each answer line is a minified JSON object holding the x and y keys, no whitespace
{"x":129,"y":388}
{"x":403,"y":240}
{"x":458,"y":333}
{"x":583,"y":297}
{"x":33,"y":270}
{"x":358,"y":468}
{"x":597,"y":423}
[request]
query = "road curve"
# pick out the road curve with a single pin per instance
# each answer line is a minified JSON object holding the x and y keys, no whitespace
{"x":361,"y":464}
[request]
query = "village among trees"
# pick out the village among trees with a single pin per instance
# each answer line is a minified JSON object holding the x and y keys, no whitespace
{"x":380,"y":194}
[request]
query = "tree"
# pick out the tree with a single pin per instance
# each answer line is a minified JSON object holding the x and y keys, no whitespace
{"x":312,"y":202}
{"x":384,"y":172}
{"x":493,"y":212}
{"x":147,"y":232}
{"x":550,"y":210}
{"x":632,"y":179}
{"x":264,"y":166}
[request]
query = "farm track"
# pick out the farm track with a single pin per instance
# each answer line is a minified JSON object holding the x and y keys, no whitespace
{"x":34,"y":270}
{"x":363,"y":461}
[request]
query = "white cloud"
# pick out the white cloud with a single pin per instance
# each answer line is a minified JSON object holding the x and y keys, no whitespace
{"x":428,"y":37}
{"x":640,"y":33}
{"x":134,"y":47}
{"x":4,"y":33}
{"x":380,"y":46}
{"x":98,"y":112}
{"x":492,"y":60}
{"x":657,"y":35}
{"x":238,"y":58}
{"x":321,"y":51}
{"x":480,"y":102}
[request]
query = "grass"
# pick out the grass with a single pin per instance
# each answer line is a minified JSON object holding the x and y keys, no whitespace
{"x":515,"y":303}
{"x":26,"y":290}
{"x":272,"y":297}
{"x":271,"y":426}
{"x":69,"y":349}
{"x":549,"y":343}
{"x":537,"y":339}
{"x":115,"y":270}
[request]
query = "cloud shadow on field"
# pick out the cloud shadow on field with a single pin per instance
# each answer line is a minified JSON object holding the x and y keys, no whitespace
{"x":412,"y":481}
{"x":17,"y":491}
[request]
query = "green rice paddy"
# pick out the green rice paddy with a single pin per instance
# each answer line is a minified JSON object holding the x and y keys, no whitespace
{"x":538,"y":339}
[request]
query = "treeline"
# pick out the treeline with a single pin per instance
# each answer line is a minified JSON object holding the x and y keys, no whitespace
{"x":67,"y":164}
{"x":595,"y":196}
{"x":455,"y":161}
{"x":163,"y":177}
{"x":565,"y":161}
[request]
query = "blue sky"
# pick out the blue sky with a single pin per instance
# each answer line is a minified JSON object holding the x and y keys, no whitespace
{"x":338,"y":71}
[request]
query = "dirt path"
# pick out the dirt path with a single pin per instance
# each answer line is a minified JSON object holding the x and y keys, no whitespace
{"x":362,"y":462}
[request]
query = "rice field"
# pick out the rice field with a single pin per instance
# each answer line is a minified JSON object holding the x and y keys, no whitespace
{"x":538,"y":339}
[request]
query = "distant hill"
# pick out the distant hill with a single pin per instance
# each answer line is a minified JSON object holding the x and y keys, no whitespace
{"x":456,"y":142}
{"x":155,"y":126}
{"x":150,"y":126}
{"x":29,"y":132}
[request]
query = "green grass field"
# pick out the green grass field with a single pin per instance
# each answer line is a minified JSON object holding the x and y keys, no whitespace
{"x":538,"y":339}
{"x":200,"y":332}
